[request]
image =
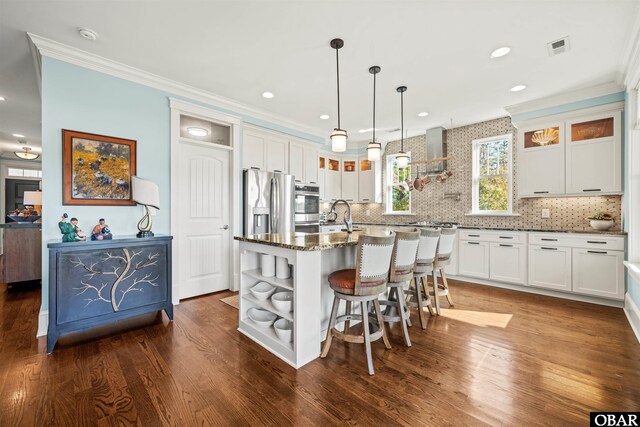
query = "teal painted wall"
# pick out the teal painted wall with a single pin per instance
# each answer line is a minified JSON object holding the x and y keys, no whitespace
{"x":591,"y":102}
{"x":84,"y":100}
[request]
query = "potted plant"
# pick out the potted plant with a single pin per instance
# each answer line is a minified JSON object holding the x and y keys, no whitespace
{"x":601,"y":221}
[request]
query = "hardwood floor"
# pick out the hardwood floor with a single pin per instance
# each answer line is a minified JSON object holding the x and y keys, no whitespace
{"x":499,"y":357}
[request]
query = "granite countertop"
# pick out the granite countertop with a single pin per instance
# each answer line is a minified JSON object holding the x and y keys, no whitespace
{"x":312,"y":241}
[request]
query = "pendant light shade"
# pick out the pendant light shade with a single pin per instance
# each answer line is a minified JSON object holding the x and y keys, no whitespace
{"x":374,"y":148}
{"x":338,"y":136}
{"x":402,"y":159}
{"x":26,"y":154}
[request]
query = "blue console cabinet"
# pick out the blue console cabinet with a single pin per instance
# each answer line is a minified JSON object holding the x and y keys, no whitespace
{"x":96,"y":282}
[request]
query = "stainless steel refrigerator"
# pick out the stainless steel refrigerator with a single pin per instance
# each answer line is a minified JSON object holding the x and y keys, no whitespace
{"x":268,"y":202}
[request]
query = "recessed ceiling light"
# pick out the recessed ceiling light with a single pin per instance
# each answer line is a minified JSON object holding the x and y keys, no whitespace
{"x":423,"y":114}
{"x":197,"y":131}
{"x":18,"y":135}
{"x":87,"y":34}
{"x":2,"y":98}
{"x":518,"y":88}
{"x":267,"y":95}
{"x":501,"y":51}
{"x":324,"y":117}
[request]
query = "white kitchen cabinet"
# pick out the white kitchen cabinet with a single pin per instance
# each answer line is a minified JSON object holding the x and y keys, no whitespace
{"x":452,"y":268}
{"x":550,"y":267}
{"x":253,"y":150}
{"x":333,"y":178}
{"x":473,"y":259}
{"x":598,"y":273}
{"x":322,"y":168}
{"x":310,"y":165}
{"x":277,"y":150}
{"x":594,"y":154}
{"x":296,"y":161}
{"x":541,"y":165}
{"x":366,"y":180}
{"x":350,"y":178}
{"x":508,"y":263}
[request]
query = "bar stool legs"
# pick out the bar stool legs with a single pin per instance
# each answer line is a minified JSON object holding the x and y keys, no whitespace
{"x":446,"y":286}
{"x":397,"y":301}
{"x":367,"y":336}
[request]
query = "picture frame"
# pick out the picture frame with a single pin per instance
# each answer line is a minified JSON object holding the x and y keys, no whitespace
{"x":97,"y":169}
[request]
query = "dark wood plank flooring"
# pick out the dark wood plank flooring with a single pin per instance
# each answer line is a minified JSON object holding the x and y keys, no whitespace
{"x":498,"y":357}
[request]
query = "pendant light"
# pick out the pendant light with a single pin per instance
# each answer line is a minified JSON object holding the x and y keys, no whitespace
{"x":26,"y":154}
{"x":338,"y":136}
{"x":374,"y":148}
{"x":402,"y":159}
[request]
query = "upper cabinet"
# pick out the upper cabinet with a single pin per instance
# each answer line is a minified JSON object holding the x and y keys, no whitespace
{"x":369,"y":181}
{"x":350,"y":178}
{"x":311,"y":165}
{"x":594,"y":157}
{"x":254,"y":145}
{"x":276,"y":154}
{"x":579,"y":154}
{"x":303,"y":162}
{"x":296,"y":161}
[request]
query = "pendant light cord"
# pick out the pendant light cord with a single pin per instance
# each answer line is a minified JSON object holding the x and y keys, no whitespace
{"x":338,"y":85}
{"x":374,"y":107}
{"x":402,"y":121}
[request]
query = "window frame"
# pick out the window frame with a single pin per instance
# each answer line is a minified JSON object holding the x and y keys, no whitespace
{"x":389,"y":187}
{"x":475,"y":175}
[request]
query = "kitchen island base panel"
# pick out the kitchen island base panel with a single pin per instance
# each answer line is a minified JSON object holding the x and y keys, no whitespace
{"x":312,"y":298}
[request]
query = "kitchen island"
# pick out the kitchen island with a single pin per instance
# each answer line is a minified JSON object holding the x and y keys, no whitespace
{"x":311,"y":258}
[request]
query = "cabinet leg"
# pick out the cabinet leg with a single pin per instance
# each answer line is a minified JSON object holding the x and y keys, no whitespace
{"x":52,"y":339}
{"x":169,"y":310}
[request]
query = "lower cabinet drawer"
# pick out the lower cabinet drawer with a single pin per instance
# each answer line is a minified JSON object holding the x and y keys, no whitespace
{"x":508,"y":263}
{"x":599,"y":273}
{"x":474,"y":259}
{"x":550,"y":267}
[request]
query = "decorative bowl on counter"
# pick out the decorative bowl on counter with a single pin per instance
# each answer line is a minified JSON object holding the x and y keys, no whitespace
{"x":262,"y":290}
{"x":261,"y":317}
{"x":284,"y":330}
{"x":600,"y":224}
{"x":283,"y":301}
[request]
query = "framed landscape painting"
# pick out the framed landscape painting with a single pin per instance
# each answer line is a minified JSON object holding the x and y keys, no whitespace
{"x":97,"y":169}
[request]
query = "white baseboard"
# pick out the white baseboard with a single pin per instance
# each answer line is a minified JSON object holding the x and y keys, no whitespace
{"x":633,"y":314}
{"x":43,"y":323}
{"x":538,"y":291}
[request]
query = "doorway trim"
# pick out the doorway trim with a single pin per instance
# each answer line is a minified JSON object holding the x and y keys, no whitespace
{"x":179,"y":107}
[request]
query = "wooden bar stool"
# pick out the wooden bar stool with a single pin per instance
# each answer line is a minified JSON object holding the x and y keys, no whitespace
{"x":425,"y":266}
{"x":403,"y":263}
{"x":361,"y":285}
{"x":445,"y":249}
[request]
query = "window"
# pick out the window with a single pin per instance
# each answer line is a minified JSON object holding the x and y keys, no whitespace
{"x":29,"y":173}
{"x":492,"y":175}
{"x":398,"y":195}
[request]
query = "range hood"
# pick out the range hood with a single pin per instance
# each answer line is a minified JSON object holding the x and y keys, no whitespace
{"x":436,"y":147}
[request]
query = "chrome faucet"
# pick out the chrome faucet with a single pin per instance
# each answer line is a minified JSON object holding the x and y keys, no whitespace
{"x":347,"y":216}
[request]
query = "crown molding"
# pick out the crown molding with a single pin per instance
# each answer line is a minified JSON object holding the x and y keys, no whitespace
{"x":53,"y":49}
{"x":565,"y":98}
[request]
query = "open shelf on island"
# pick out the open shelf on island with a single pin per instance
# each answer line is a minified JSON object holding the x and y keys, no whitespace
{"x":269,"y":335}
{"x":283,"y":283}
{"x":267,"y":305}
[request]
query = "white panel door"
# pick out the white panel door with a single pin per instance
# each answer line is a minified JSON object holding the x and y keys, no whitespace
{"x":204,"y":244}
{"x":598,"y":273}
{"x":296,"y":161}
{"x":474,"y":259}
{"x":550,"y":267}
{"x":253,"y":154}
{"x":277,"y":154}
{"x":508,"y":263}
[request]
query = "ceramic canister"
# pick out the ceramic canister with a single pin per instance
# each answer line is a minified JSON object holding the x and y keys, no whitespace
{"x":268,"y":263}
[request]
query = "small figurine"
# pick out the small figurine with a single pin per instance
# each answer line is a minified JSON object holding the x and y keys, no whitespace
{"x":70,"y":230}
{"x":101,"y":231}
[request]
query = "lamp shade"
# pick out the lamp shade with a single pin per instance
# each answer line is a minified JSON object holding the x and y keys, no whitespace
{"x":145,"y":192}
{"x":402,"y":160}
{"x":374,"y":151}
{"x":339,"y":140}
{"x":32,"y":198}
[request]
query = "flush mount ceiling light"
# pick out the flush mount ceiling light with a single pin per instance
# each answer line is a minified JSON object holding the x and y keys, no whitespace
{"x":501,"y":51}
{"x":2,"y":98}
{"x":518,"y":88}
{"x":18,"y":135}
{"x":423,"y":114}
{"x":324,"y":117}
{"x":87,"y":33}
{"x":374,"y":148}
{"x":26,"y":154}
{"x":338,"y":136}
{"x":267,"y":95}
{"x":197,"y":131}
{"x":402,"y":159}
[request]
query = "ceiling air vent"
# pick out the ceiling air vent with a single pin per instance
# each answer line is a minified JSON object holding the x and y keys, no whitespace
{"x":559,"y":46}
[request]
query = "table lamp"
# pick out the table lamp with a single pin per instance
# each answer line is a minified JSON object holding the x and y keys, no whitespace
{"x":145,"y":193}
{"x":33,"y":198}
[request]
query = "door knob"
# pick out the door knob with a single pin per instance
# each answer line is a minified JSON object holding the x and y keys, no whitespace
{"x":225,"y":227}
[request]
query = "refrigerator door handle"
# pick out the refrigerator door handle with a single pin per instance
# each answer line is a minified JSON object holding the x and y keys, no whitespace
{"x":277,"y":212}
{"x":272,"y":206}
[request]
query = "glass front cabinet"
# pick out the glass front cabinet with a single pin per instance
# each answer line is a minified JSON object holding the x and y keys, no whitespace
{"x":541,"y":160}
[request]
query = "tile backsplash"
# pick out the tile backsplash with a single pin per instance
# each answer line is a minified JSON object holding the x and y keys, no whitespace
{"x":431,"y":205}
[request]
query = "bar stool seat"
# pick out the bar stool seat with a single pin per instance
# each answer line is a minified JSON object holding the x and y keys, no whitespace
{"x":344,"y":281}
